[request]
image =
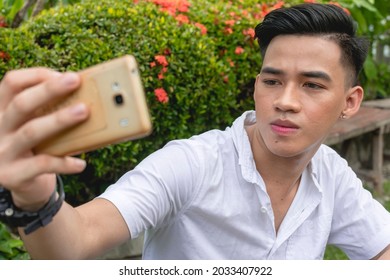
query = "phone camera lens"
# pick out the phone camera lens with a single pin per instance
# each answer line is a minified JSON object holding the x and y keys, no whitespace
{"x":118,"y":98}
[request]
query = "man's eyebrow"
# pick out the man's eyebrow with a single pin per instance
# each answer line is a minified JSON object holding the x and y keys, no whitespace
{"x":271,"y":70}
{"x":317,"y":74}
{"x":309,"y":74}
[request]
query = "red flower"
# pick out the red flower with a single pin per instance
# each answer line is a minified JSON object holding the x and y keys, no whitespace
{"x":310,"y":1}
{"x":231,"y":62}
{"x":264,"y":10}
{"x":3,"y":23}
{"x":249,"y":32}
{"x":4,"y":56}
{"x":182,"y":18}
{"x":228,"y":30}
{"x":173,"y":6}
{"x":226,"y":79}
{"x":239,"y":50}
{"x":278,"y":5}
{"x":230,"y":22}
{"x":161,"y":95}
{"x":203,"y":29}
{"x":152,"y":64}
{"x":161,"y":60}
{"x":338,"y":5}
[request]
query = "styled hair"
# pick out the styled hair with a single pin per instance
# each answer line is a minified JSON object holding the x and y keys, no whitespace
{"x":313,"y":19}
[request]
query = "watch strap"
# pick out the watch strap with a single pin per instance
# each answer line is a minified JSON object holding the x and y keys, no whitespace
{"x":13,"y":216}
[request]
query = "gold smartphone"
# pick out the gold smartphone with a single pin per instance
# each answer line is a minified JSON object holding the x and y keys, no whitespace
{"x":115,"y":96}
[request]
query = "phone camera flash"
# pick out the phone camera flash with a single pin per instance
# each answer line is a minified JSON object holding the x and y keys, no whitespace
{"x":124,"y":122}
{"x":115,"y":86}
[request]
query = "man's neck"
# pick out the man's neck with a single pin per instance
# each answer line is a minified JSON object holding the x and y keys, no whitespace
{"x":276,"y":170}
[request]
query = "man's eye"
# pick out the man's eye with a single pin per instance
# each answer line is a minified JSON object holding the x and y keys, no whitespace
{"x":313,"y":86}
{"x":270,"y":82}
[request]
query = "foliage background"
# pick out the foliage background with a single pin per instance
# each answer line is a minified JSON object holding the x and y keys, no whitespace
{"x":198,"y":61}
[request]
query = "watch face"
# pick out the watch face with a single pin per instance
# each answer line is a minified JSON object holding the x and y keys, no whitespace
{"x":5,"y":204}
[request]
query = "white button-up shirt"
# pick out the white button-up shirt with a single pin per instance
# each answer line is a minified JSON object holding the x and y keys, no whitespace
{"x":203,"y":198}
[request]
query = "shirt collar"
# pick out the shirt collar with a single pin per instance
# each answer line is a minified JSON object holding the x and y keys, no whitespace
{"x":243,"y":147}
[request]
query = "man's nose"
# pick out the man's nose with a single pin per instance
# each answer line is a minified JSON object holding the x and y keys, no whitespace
{"x":288,"y":100}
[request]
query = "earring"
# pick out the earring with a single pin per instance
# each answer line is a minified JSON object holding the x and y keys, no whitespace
{"x":343,"y":116}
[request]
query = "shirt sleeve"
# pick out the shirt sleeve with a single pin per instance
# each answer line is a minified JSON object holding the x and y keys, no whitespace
{"x":159,"y":188}
{"x":361,"y":225}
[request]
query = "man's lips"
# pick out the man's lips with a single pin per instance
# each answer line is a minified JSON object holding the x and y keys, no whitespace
{"x":284,"y":127}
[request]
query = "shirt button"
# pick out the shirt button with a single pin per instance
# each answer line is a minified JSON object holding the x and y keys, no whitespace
{"x":263,"y":209}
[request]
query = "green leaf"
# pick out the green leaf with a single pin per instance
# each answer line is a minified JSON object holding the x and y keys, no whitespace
{"x":370,"y":69}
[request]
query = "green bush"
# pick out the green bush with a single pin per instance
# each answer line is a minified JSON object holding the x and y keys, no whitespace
{"x":201,"y":84}
{"x":11,"y":247}
{"x":202,"y":54}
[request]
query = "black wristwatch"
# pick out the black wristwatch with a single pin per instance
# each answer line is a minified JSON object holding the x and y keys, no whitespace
{"x":31,"y":221}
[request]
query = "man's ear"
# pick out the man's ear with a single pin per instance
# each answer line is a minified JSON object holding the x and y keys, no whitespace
{"x":353,"y":101}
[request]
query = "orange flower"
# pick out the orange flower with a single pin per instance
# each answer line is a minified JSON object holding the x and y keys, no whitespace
{"x":249,"y":32}
{"x":172,"y":6}
{"x":161,"y":60}
{"x":160,"y":76}
{"x":226,"y":79}
{"x":228,"y":30}
{"x":338,"y":5}
{"x":264,"y":10}
{"x":230,"y":22}
{"x":239,"y":50}
{"x":152,"y":64}
{"x":4,"y":56}
{"x":203,"y":29}
{"x":161,"y":95}
{"x":231,"y":62}
{"x":278,"y":5}
{"x":182,"y":18}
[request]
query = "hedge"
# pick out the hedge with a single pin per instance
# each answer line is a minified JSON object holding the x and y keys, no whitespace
{"x":198,"y":61}
{"x":197,"y":74}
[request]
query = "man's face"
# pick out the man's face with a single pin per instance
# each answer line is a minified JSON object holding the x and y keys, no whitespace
{"x":300,"y":93}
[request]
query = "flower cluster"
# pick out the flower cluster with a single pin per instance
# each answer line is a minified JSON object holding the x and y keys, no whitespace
{"x":179,"y":9}
{"x":225,"y":23}
{"x":161,"y":60}
{"x":3,"y":55}
{"x":161,"y":95}
{"x":3,"y":22}
{"x":332,"y":3}
{"x":173,"y":6}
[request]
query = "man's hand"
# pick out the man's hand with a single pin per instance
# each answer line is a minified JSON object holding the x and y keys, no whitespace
{"x":30,"y":176}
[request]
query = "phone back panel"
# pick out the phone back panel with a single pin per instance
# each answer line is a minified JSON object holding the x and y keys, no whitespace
{"x":114,"y":93}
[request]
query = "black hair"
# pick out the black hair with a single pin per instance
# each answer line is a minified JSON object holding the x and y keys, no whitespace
{"x":325,"y":20}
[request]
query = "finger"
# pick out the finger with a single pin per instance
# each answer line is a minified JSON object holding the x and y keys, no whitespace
{"x":30,"y":168}
{"x":24,"y":105}
{"x":39,"y":129}
{"x":16,"y":81}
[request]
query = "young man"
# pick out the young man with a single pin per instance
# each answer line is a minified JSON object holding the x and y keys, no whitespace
{"x":266,"y":188}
